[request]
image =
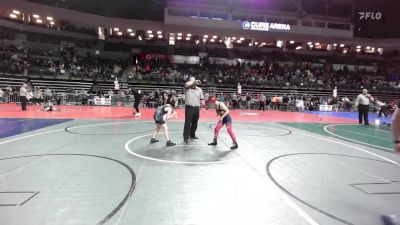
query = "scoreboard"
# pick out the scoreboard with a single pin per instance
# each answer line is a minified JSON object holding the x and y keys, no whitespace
{"x":377,"y":19}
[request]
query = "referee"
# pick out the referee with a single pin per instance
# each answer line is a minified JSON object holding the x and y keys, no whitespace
{"x":23,"y":92}
{"x":194,"y":98}
{"x":362,"y":102}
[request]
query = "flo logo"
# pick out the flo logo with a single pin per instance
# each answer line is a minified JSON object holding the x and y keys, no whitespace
{"x":246,"y":25}
{"x":370,"y":15}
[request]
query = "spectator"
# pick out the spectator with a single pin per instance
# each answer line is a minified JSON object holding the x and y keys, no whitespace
{"x":48,"y":94}
{"x":37,"y":96}
{"x":262,"y":102}
{"x":23,"y":92}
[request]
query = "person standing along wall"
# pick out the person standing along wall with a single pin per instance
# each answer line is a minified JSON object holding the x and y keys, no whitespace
{"x":137,"y":94}
{"x":262,"y":102}
{"x":23,"y":92}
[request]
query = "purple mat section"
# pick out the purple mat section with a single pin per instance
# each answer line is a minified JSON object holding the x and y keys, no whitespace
{"x":10,"y":126}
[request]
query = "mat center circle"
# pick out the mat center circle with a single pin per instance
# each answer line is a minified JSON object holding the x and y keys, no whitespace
{"x":196,"y":152}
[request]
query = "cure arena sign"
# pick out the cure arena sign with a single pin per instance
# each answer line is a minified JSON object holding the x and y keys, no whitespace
{"x":264,"y":26}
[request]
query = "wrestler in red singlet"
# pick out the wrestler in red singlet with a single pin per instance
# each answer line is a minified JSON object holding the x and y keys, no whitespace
{"x":226,"y":119}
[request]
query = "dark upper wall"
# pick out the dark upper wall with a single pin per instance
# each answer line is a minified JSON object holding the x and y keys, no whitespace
{"x":127,"y":9}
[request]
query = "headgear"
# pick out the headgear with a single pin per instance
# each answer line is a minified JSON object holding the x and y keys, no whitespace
{"x":213,"y":99}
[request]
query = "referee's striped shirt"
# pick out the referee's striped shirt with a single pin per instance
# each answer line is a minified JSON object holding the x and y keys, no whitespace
{"x":193,"y":96}
{"x":363,"y":100}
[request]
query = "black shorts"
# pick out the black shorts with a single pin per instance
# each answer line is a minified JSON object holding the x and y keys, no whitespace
{"x":157,"y":119}
{"x":227,"y":120}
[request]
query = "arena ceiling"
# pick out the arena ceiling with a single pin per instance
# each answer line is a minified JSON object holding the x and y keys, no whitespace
{"x":153,"y":9}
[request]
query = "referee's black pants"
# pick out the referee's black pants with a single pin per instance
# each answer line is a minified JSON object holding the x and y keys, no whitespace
{"x":23,"y":102}
{"x":136,"y":105}
{"x":262,"y":106}
{"x":363,"y":113}
{"x":191,"y":119}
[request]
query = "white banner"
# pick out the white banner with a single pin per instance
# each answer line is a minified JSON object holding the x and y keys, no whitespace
{"x":325,"y":108}
{"x":102,"y":101}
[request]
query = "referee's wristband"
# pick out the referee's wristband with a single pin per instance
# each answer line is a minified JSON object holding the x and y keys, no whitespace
{"x":396,"y":142}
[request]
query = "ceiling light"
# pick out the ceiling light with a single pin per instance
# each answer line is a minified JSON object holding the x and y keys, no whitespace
{"x":49,"y":18}
{"x":341,"y":45}
{"x":16,"y":12}
{"x":151,"y":35}
{"x":204,"y":40}
{"x":368,"y":47}
{"x":189,"y":35}
{"x":250,"y":44}
{"x":215,"y":36}
{"x":359,"y":46}
{"x":39,"y":21}
{"x":119,"y":33}
{"x":149,"y":32}
{"x":160,"y":36}
{"x":159,"y":32}
{"x":13,"y":16}
{"x":171,"y":38}
{"x":298,"y":47}
{"x":291,"y":42}
{"x":129,"y":30}
{"x":344,"y":51}
{"x":187,"y":38}
{"x":358,"y":50}
{"x":317,"y":43}
{"x":132,"y":34}
{"x":116,"y":29}
{"x":212,"y":40}
{"x":35,"y":16}
{"x":205,"y":36}
{"x":335,"y":44}
{"x":179,"y":34}
{"x":242,"y":38}
{"x":309,"y":43}
{"x":239,"y":41}
{"x":51,"y":22}
{"x":233,"y":38}
{"x":179,"y":38}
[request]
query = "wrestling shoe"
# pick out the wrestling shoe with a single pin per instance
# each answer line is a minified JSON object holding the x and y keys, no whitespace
{"x":235,"y":146}
{"x":170,"y":143}
{"x":214,"y":143}
{"x":153,"y":140}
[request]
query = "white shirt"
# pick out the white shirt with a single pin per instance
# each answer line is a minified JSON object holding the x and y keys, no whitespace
{"x":23,"y":91}
{"x":193,"y":96}
{"x":364,"y":100}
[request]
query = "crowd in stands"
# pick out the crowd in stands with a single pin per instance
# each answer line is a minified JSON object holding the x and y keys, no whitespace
{"x":57,"y":62}
{"x":293,"y":75}
{"x":158,"y":97}
{"x":275,"y":69}
{"x":300,"y":74}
